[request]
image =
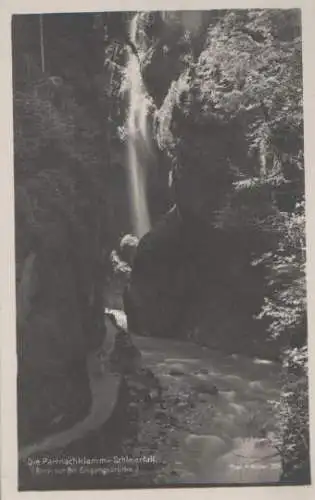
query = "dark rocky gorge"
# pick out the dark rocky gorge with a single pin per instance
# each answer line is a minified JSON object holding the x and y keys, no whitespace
{"x":193,"y":369}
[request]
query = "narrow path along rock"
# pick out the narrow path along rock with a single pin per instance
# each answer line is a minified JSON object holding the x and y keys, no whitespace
{"x":100,"y":412}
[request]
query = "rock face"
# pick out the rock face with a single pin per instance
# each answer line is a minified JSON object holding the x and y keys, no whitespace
{"x":166,"y":33}
{"x":190,"y":282}
{"x":53,"y":386}
{"x":157,"y":279}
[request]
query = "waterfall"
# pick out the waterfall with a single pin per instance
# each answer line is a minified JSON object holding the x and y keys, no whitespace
{"x":138,"y":138}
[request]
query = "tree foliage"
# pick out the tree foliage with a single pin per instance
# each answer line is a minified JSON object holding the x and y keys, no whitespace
{"x":234,"y":118}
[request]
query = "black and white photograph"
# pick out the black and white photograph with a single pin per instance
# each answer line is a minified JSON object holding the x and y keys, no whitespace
{"x":160,"y":249}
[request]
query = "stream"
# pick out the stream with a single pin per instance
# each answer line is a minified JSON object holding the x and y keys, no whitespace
{"x":220,"y":423}
{"x":215,"y":424}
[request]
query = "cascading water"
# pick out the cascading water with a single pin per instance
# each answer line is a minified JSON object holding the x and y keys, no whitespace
{"x":138,"y":140}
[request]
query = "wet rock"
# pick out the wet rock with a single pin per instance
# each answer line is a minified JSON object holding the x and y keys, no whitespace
{"x":177,"y":370}
{"x":161,"y":415}
{"x":172,"y":420}
{"x":204,"y":386}
{"x":182,"y":404}
{"x":174,"y":473}
{"x":177,"y":400}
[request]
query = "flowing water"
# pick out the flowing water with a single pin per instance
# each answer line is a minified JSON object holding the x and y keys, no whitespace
{"x":211,"y":437}
{"x":202,"y":436}
{"x":138,"y":139}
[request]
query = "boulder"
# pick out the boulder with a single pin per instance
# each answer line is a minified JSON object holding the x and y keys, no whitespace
{"x":191,"y":281}
{"x":156,"y":290}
